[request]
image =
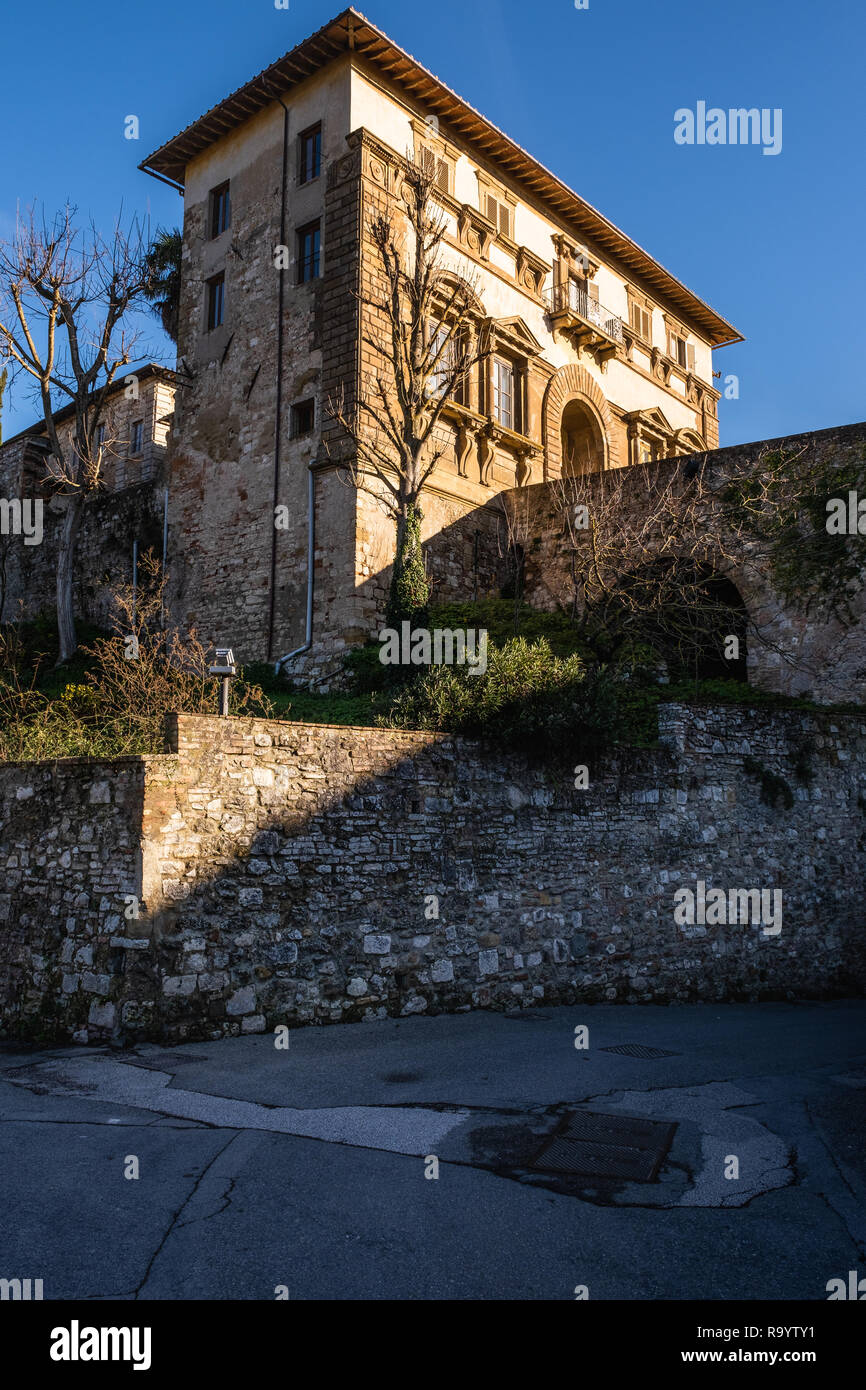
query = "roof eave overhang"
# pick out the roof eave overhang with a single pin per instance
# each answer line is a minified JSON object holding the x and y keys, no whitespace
{"x":351,"y":32}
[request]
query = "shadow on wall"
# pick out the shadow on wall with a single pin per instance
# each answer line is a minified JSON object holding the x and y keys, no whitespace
{"x":296,"y":874}
{"x":791,"y":651}
{"x":71,"y":859}
{"x":522,"y":544}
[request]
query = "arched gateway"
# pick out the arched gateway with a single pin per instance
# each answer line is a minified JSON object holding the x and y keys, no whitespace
{"x":579,"y":433}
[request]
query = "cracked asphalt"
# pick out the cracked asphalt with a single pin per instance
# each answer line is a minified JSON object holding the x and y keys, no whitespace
{"x":306,"y":1170}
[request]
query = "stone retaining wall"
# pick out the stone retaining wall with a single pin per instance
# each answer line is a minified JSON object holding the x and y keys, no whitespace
{"x":290,"y":873}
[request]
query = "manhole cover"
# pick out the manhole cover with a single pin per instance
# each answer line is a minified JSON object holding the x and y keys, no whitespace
{"x":639,"y":1050}
{"x":589,"y":1144}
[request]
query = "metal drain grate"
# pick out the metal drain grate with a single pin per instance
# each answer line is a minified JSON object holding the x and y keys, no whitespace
{"x":639,"y":1050}
{"x":589,"y":1144}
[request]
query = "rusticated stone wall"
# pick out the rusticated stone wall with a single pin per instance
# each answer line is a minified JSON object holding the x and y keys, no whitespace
{"x":290,"y":873}
{"x":127,"y":507}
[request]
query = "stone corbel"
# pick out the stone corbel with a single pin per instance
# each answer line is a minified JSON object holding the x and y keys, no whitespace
{"x":694,"y":390}
{"x":465,"y":445}
{"x":531,"y":271}
{"x":661,"y":366}
{"x":486,"y":453}
{"x":363,"y":147}
{"x":526,"y":459}
{"x":475,"y":231}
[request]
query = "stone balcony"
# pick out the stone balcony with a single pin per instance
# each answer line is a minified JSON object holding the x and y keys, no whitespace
{"x":588,"y":323}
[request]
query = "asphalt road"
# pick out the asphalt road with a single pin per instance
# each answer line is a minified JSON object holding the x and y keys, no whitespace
{"x":307,"y":1172}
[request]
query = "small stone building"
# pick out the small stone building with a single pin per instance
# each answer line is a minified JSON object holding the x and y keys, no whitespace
{"x":128,"y":506}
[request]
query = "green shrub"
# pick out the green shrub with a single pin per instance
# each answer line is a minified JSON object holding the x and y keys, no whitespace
{"x":129,"y":681}
{"x":496,"y":616}
{"x":528,"y":699}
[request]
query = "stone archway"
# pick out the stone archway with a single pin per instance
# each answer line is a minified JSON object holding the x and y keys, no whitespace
{"x":582,"y":441}
{"x":574,"y":383}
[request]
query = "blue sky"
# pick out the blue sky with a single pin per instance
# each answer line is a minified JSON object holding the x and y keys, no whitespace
{"x":775,"y":243}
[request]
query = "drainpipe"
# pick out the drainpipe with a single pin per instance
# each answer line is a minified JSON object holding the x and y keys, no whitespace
{"x":311,"y":554}
{"x":134,"y":576}
{"x":279,"y":406}
{"x":164,"y":554}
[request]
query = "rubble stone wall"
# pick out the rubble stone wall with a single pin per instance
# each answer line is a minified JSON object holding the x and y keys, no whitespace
{"x":291,"y":873}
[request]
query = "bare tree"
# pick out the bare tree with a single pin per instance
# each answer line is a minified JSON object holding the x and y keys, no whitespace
{"x":641,"y":564}
{"x":64,"y":296}
{"x":656,"y":554}
{"x":419,"y":326}
{"x":4,"y":377}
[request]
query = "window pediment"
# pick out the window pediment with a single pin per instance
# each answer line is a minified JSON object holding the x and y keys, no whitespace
{"x":514,"y":334}
{"x":652,"y":420}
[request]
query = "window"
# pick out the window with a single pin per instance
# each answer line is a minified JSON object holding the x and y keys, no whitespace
{"x":583,"y":297}
{"x":500,"y":214}
{"x":136,"y":437}
{"x":442,"y":371}
{"x":310,"y":154}
{"x":640,"y":319}
{"x":100,"y":436}
{"x":303,"y":418}
{"x":680,"y":350}
{"x":503,"y":393}
{"x":220,"y":210}
{"x":438,"y":166}
{"x":309,"y":245}
{"x":216,"y":294}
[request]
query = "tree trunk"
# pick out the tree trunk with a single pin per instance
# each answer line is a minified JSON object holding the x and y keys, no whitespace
{"x":65,"y":573}
{"x":409,"y":588}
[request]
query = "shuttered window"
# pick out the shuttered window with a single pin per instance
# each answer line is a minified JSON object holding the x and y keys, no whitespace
{"x":438,"y":167}
{"x":682,"y":352}
{"x":499,"y":213}
{"x":641,"y":321}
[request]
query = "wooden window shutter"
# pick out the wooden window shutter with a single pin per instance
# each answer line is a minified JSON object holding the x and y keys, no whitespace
{"x":442,"y":175}
{"x":505,"y":219}
{"x":690,"y":356}
{"x":593,"y":290}
{"x":492,"y":210}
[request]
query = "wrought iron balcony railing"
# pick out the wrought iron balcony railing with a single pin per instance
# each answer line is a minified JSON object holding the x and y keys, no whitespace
{"x":569,"y":298}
